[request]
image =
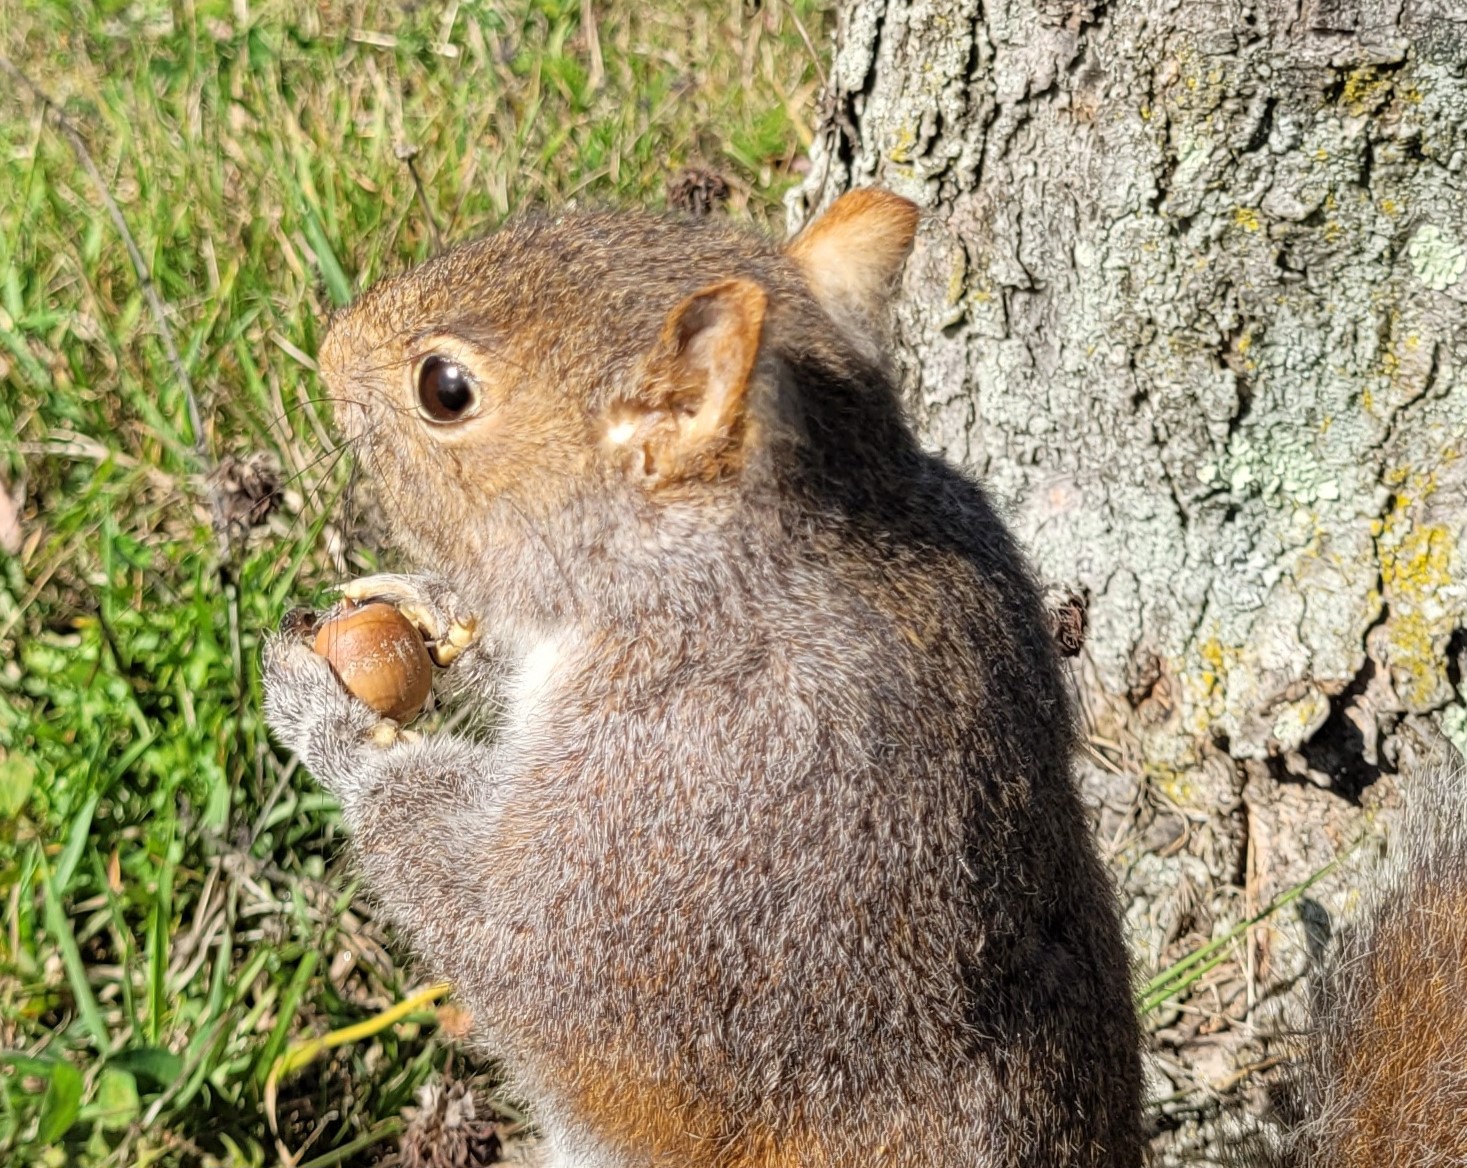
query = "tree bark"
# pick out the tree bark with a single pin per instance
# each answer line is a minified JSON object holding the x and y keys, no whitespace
{"x":1191,"y":297}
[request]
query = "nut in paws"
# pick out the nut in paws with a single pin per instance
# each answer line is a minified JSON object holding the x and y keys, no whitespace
{"x":380,"y":658}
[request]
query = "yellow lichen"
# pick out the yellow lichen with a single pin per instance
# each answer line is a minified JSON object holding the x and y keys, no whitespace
{"x":1294,"y":720}
{"x":1246,"y":218}
{"x":901,"y":149}
{"x":955,"y":283}
{"x":1364,"y":91}
{"x":1173,"y":784}
{"x":1416,"y":560}
{"x":1207,"y":680}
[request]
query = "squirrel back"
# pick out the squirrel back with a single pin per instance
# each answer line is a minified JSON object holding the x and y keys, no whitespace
{"x":1384,"y":1079}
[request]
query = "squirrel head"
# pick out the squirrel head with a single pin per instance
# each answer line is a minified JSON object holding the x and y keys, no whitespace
{"x":584,"y":355}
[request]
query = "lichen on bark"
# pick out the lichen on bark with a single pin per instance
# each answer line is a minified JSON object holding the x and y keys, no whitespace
{"x":1191,"y":297}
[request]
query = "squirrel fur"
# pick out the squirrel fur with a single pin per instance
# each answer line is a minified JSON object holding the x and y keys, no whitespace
{"x":1381,"y":1081}
{"x":776,"y":857}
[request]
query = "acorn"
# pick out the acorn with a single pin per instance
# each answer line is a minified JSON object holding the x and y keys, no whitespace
{"x":379,"y":656}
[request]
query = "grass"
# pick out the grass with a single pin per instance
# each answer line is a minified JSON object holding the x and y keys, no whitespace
{"x":177,"y":911}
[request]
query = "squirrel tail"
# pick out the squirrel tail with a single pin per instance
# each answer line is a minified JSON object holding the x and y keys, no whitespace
{"x":1384,"y":1081}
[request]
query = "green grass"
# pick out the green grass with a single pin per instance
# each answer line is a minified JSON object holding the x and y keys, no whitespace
{"x":177,"y":908}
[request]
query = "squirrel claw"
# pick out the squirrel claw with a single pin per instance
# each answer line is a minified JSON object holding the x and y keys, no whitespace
{"x":447,"y":634}
{"x":387,"y":733}
{"x":457,"y":637}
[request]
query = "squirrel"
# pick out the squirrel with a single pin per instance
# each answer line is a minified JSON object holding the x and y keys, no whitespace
{"x":1382,"y":1079}
{"x":775,"y":857}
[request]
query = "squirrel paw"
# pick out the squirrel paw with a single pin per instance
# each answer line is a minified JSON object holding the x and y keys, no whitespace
{"x":310,"y":712}
{"x":429,"y":605}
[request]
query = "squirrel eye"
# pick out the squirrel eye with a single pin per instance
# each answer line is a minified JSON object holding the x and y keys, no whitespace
{"x":445,"y":392}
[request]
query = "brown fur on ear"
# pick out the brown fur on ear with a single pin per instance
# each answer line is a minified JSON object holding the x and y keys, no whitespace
{"x":852,"y":255}
{"x":691,"y":420}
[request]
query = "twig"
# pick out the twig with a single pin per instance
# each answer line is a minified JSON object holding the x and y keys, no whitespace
{"x":140,"y":266}
{"x":407,"y":153}
{"x":592,"y":35}
{"x":303,"y":1053}
{"x":809,"y":45}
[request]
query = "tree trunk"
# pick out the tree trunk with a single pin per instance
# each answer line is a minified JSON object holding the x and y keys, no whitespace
{"x":1191,"y":298}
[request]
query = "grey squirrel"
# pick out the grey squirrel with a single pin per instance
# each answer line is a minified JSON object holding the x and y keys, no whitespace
{"x":775,"y":857}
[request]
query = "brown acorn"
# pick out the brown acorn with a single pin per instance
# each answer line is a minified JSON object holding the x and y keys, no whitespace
{"x":379,"y":657}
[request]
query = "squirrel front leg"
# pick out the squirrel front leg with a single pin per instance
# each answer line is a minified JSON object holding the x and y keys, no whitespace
{"x":404,"y":798}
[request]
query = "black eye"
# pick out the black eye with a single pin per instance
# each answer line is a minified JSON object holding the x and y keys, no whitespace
{"x":445,"y":392}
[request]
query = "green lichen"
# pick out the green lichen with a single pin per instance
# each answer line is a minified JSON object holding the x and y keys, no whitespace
{"x":955,"y":279}
{"x":1454,"y":723}
{"x":1279,"y":465}
{"x":1437,"y":259}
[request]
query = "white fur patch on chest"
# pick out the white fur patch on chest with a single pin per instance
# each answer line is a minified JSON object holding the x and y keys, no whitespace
{"x":536,"y":678}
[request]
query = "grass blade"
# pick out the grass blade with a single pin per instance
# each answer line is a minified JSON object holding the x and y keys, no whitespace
{"x":383,"y":1131}
{"x":289,"y":1002}
{"x":62,"y":1102}
{"x":160,"y":925}
{"x":76,"y":841}
{"x":337,"y":285}
{"x":59,"y":926}
{"x":1178,"y":976}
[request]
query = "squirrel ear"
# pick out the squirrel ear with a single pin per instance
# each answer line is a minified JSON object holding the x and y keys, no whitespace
{"x":852,"y":255}
{"x":691,"y":418}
